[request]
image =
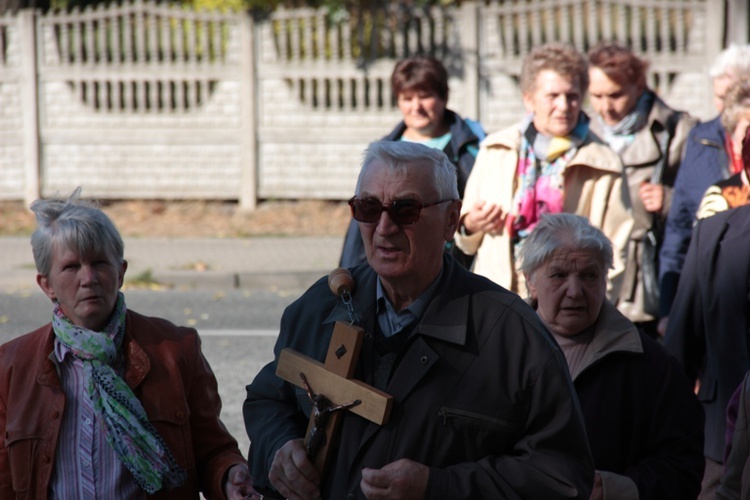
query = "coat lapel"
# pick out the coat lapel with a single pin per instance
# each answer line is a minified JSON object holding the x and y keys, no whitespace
{"x":644,"y":150}
{"x":413,"y":367}
{"x":47,"y":374}
{"x":445,"y":319}
{"x":720,"y":239}
{"x":732,"y":245}
{"x":138,"y":362}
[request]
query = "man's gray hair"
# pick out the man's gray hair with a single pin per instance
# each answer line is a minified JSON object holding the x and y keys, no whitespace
{"x":75,"y":224}
{"x":399,"y":156}
{"x":563,"y":230}
{"x":735,"y":59}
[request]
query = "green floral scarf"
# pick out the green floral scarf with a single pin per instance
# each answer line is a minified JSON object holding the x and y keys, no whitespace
{"x":128,"y":430}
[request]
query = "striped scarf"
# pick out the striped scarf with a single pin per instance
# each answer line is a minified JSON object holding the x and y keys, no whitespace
{"x":128,"y":430}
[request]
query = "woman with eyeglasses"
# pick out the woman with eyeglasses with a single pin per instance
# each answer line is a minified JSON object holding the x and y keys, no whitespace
{"x":420,"y":85}
{"x":549,"y":163}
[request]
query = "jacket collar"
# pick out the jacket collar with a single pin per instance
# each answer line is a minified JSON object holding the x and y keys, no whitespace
{"x":736,"y":237}
{"x":137,"y":361}
{"x":592,"y":153}
{"x":47,"y":373}
{"x":138,"y":364}
{"x":613,"y":333}
{"x":461,"y":133}
{"x":439,"y":321}
{"x":446,"y":316}
{"x":645,"y":149}
{"x":710,"y":133}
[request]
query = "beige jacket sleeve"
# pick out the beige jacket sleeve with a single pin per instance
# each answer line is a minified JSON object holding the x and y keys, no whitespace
{"x":595,"y":187}
{"x":491,"y":181}
{"x":617,"y":225}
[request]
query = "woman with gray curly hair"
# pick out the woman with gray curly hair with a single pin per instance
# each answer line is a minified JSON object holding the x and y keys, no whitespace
{"x":549,"y":163}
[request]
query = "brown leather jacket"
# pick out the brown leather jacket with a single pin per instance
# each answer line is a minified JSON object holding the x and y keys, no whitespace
{"x":168,"y":373}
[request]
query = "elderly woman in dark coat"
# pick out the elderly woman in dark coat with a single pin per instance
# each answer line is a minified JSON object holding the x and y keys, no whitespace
{"x":644,"y":424}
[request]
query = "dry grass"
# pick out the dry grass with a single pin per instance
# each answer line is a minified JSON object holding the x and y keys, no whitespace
{"x":204,"y":218}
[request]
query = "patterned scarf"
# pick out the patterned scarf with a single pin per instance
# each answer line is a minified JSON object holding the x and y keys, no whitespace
{"x":622,"y":134}
{"x":128,"y":430}
{"x":541,"y":164}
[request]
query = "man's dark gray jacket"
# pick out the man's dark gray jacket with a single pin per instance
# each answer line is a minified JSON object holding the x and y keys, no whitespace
{"x":482,"y":396}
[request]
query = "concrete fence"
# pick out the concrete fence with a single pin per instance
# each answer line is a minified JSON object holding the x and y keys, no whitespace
{"x":148,"y":101}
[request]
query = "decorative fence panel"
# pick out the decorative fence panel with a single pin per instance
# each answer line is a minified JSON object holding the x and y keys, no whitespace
{"x":324,"y":91}
{"x":145,"y":101}
{"x":19,"y":146}
{"x":148,"y":101}
{"x":671,"y":34}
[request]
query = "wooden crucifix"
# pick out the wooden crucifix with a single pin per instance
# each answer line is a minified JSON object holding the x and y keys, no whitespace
{"x":331,"y":387}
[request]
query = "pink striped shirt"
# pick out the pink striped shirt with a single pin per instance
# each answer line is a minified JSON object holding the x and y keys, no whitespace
{"x":86,"y":466}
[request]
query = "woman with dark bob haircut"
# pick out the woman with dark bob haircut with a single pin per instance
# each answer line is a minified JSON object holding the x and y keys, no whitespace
{"x":420,"y":87}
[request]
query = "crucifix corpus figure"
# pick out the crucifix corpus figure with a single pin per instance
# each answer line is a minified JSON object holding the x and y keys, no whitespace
{"x":322,"y":409}
{"x":338,"y":391}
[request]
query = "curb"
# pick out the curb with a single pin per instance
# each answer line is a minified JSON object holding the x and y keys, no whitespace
{"x":269,"y":281}
{"x":24,"y":280}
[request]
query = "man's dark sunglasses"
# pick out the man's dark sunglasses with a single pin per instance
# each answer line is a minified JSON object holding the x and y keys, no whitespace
{"x":401,"y":212}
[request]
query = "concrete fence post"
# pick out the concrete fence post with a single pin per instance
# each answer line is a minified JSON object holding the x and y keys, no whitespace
{"x":47,"y":120}
{"x":738,"y":19}
{"x":250,"y":168}
{"x":470,"y":51}
{"x":29,"y":105}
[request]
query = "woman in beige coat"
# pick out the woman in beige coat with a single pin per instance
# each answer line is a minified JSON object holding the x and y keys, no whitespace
{"x":650,"y":138}
{"x":549,"y":163}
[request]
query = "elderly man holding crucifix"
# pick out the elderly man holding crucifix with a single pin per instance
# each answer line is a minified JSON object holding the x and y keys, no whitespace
{"x":482,"y":403}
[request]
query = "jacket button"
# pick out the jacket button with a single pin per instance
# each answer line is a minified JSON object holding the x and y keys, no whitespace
{"x":180,"y":415}
{"x":423,"y":360}
{"x":55,"y":415}
{"x":46,"y":459}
